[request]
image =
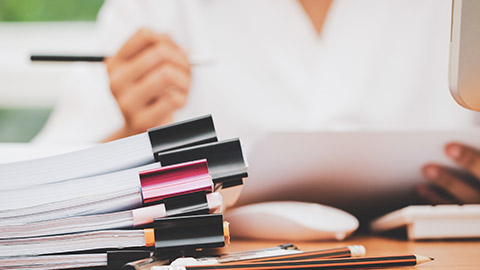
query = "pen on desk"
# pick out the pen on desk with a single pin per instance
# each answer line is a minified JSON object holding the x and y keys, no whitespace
{"x":343,"y":263}
{"x":194,"y":59}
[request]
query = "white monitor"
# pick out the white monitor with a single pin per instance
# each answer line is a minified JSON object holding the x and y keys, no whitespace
{"x":464,"y":73}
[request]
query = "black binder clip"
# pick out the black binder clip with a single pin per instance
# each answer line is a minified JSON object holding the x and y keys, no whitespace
{"x":225,"y":161}
{"x":187,"y":204}
{"x":118,"y":258}
{"x":182,"y":134}
{"x":189,"y":232}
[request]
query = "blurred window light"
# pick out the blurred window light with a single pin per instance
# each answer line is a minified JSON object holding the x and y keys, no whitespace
{"x":28,"y":92}
{"x":49,"y":10}
{"x":21,"y":124}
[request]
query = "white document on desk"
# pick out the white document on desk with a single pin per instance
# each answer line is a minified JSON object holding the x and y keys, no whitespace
{"x":352,"y":170}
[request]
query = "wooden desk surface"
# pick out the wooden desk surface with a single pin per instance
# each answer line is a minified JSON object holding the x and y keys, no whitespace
{"x":447,"y":254}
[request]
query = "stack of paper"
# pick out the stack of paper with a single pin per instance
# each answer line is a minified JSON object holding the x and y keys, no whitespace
{"x":116,"y":220}
{"x":165,"y":181}
{"x":114,"y":156}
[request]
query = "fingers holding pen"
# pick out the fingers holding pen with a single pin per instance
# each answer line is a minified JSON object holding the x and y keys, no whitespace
{"x":166,"y":105}
{"x":135,"y":44}
{"x":157,"y":55}
{"x":150,"y":77}
{"x":139,"y":41}
{"x":149,"y":59}
{"x":125,"y":72}
{"x":153,"y":86}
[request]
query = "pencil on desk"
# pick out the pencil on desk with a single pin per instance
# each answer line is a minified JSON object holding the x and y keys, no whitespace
{"x":344,"y":263}
{"x":342,"y":252}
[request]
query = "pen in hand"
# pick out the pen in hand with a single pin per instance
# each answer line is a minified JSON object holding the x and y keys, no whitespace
{"x":66,"y":58}
{"x":194,"y":59}
{"x":149,"y":77}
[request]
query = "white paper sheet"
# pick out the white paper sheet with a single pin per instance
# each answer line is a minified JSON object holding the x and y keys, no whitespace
{"x":109,"y":157}
{"x":352,"y":170}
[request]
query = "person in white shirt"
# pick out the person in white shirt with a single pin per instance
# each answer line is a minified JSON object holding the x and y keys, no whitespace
{"x":271,"y":65}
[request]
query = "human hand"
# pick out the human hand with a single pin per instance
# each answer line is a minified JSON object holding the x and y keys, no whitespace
{"x":150,"y":78}
{"x":454,"y":186}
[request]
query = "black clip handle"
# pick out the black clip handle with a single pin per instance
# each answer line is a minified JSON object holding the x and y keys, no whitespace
{"x":187,"y":133}
{"x":187,"y":204}
{"x":189,"y":232}
{"x":118,"y":258}
{"x":225,"y":160}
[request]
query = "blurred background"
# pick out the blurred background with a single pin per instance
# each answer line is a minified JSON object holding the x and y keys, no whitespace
{"x":29,"y":91}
